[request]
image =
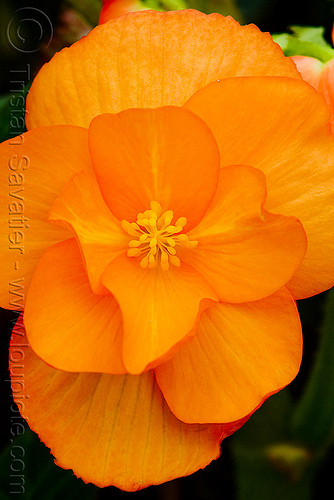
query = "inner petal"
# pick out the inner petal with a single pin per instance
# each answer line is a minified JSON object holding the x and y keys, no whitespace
{"x":167,"y":154}
{"x":159,"y":308}
{"x":82,"y":208}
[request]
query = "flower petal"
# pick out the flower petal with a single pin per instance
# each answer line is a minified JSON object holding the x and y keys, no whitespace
{"x":241,"y":354}
{"x":159,"y":308}
{"x":110,"y":429}
{"x":310,"y":68}
{"x":166,"y":154}
{"x":148,"y":59}
{"x":39,"y":163}
{"x":67,"y":325}
{"x":243,"y":251}
{"x":281,"y":127}
{"x":100,"y":235}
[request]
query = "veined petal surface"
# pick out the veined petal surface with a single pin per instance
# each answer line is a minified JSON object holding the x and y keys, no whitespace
{"x":241,"y":354}
{"x":36,"y":166}
{"x":148,"y":59}
{"x":110,"y":429}
{"x":69,"y":326}
{"x":281,"y":126}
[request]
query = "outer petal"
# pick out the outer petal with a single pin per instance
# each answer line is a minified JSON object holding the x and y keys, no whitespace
{"x":148,"y":59}
{"x":159,"y":308}
{"x":110,"y":429}
{"x":243,"y":251}
{"x":166,"y":154}
{"x":241,"y":355}
{"x":67,"y":325}
{"x":35,"y":167}
{"x":100,"y":235}
{"x":281,"y":127}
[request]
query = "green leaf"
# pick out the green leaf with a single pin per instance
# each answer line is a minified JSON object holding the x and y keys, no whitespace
{"x":170,"y":4}
{"x":27,"y":471}
{"x":314,"y":34}
{"x":305,"y":41}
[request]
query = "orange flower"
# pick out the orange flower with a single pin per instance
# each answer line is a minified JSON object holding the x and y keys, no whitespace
{"x":320,"y":75}
{"x":174,"y":165}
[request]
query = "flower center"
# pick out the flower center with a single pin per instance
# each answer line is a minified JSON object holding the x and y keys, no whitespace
{"x":156,"y":237}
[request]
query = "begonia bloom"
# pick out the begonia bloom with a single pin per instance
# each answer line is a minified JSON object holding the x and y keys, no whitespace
{"x":178,"y":181}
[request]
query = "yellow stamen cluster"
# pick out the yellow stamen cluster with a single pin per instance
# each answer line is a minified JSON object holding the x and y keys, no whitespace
{"x":156,"y":237}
